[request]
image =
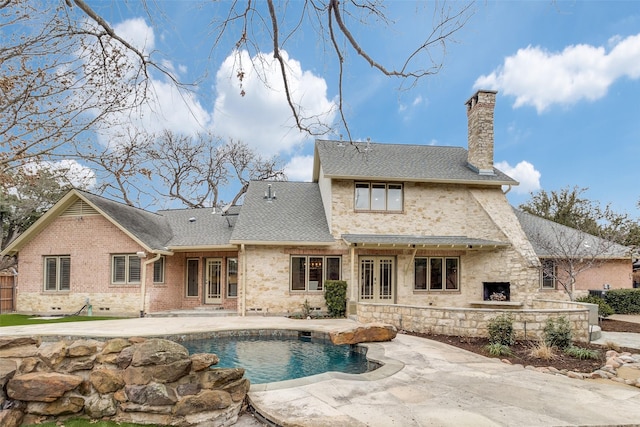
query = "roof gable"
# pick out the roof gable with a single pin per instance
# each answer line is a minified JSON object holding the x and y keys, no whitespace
{"x":399,"y":162}
{"x":150,"y":230}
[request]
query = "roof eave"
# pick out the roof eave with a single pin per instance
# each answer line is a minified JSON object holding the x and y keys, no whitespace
{"x":201,"y":248}
{"x":435,"y":181}
{"x":282,"y":243}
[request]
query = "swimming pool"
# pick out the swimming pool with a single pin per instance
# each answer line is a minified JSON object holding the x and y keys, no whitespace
{"x":272,"y":358}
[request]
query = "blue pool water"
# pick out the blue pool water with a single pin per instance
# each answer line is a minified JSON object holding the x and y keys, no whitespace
{"x":269,"y":359}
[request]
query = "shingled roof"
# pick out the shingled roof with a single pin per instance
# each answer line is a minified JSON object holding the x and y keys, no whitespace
{"x":551,"y":239}
{"x":199,"y":228}
{"x":151,"y":229}
{"x":397,"y":162}
{"x":294,"y":214}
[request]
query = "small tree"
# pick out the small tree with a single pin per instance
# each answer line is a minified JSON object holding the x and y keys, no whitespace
{"x":578,"y":236}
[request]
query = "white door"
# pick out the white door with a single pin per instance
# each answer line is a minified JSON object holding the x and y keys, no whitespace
{"x":377,"y":279}
{"x":213,"y":281}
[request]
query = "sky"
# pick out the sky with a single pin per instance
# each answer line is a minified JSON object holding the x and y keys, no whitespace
{"x":567,"y":75}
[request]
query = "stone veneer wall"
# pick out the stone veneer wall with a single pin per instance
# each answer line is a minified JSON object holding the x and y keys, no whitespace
{"x":146,"y":381}
{"x":472,"y":322}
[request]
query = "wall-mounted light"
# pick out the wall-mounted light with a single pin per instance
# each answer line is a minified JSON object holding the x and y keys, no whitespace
{"x":141,"y":254}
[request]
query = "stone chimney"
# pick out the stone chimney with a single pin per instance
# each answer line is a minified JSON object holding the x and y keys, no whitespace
{"x":480,"y":123}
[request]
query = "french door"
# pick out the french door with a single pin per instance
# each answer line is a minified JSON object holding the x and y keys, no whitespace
{"x":377,"y":279}
{"x":213,"y":281}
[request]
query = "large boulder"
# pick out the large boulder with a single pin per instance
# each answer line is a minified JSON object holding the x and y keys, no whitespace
{"x":63,"y":406}
{"x":158,"y":352}
{"x":106,"y":380}
{"x":41,"y":386}
{"x":375,"y":332}
{"x":206,"y":400}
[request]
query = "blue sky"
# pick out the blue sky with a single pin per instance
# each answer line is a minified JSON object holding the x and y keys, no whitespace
{"x":567,"y":76}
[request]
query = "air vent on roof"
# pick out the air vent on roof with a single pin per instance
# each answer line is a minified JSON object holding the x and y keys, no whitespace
{"x":80,"y":208}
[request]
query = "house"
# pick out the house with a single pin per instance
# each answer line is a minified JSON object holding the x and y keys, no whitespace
{"x":401,"y":224}
{"x":596,"y":263}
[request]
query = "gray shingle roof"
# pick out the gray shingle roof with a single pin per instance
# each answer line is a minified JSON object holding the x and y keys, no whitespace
{"x":401,"y":162}
{"x":199,"y":227}
{"x":150,"y":228}
{"x":296,"y":214}
{"x":441,"y":241}
{"x":550,"y":239}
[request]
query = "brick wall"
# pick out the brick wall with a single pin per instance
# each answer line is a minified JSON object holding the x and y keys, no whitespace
{"x":89,"y":241}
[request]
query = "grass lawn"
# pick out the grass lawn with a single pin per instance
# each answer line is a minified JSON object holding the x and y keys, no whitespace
{"x":23,"y":319}
{"x":80,"y":422}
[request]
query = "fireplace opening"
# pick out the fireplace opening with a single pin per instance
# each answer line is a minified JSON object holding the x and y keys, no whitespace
{"x":497,"y":291}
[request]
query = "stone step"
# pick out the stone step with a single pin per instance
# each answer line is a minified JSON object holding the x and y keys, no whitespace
{"x":595,"y":332}
{"x":196,"y":312}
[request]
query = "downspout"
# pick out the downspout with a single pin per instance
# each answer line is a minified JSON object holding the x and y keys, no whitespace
{"x":354,"y":284}
{"x":143,"y":285}
{"x":243,"y":280}
{"x":507,"y":190}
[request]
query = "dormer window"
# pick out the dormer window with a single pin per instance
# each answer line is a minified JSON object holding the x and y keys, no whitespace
{"x":378,"y":196}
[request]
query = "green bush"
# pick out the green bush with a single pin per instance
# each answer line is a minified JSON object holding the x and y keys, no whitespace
{"x":557,"y":332}
{"x":335,"y":295}
{"x":501,"y":330}
{"x":496,"y":349}
{"x":604,"y":309}
{"x":624,"y":301}
{"x":582,"y":353}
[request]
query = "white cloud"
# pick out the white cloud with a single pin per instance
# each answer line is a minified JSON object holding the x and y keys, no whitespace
{"x":299,"y":168}
{"x":525,"y":173}
{"x":540,"y":78}
{"x":67,"y":170}
{"x":166,"y":106}
{"x":262,"y":118}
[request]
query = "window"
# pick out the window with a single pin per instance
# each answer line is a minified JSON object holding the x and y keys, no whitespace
{"x":193,"y":267}
{"x":57,"y":273}
{"x":232,"y":277}
{"x":548,"y":274}
{"x":436,"y":274}
{"x":378,"y":196}
{"x":158,"y":271}
{"x":308,"y":273}
{"x":125,"y":269}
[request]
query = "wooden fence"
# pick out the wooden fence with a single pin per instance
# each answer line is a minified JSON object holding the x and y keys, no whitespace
{"x":7,"y":292}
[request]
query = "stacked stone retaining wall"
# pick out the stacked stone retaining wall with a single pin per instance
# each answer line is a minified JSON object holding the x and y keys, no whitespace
{"x":473,"y":322}
{"x":146,"y":381}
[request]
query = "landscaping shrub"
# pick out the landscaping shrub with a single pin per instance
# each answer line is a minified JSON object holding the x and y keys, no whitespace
{"x":335,"y":295}
{"x":604,"y":309}
{"x":496,"y":349}
{"x":501,"y":330}
{"x":541,"y":350}
{"x":557,"y":332}
{"x":582,"y":353}
{"x":624,"y":301}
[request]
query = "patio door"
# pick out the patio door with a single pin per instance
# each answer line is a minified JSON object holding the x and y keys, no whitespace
{"x":213,"y":281}
{"x":377,"y":279}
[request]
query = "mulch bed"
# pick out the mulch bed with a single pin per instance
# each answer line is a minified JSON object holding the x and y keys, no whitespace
{"x":521,"y":350}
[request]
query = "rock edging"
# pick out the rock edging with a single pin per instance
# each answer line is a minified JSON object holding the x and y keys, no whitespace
{"x":610,"y":370}
{"x":138,"y":380}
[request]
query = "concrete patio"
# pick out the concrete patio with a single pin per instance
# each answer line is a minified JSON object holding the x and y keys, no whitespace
{"x":422,"y":383}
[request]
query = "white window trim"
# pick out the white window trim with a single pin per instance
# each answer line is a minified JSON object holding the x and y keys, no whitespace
{"x":127,"y":269}
{"x":228,"y":260}
{"x":58,"y":258}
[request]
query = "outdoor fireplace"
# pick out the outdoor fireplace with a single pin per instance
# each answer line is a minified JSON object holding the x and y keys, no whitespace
{"x":496,"y":291}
